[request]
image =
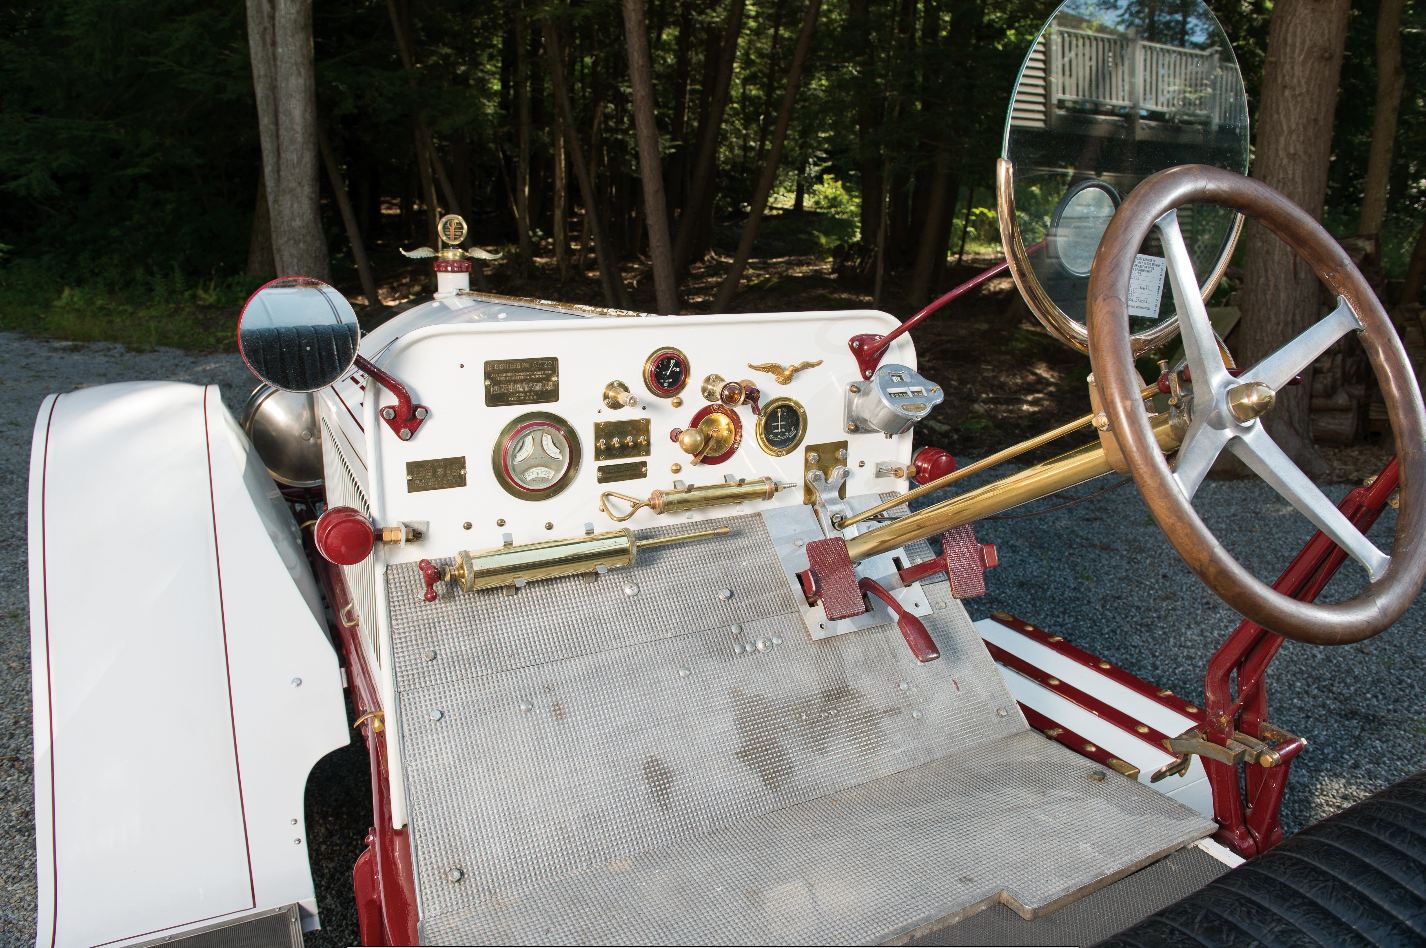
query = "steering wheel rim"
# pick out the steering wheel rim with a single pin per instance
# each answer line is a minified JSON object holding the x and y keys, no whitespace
{"x":1168,"y":492}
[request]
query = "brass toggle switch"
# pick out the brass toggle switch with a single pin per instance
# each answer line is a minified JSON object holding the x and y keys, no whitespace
{"x":617,"y":395}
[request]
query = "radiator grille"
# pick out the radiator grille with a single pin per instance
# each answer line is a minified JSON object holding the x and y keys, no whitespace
{"x":344,"y":490}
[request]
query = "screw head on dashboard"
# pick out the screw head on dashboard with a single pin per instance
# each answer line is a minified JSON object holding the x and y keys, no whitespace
{"x":675,"y":468}
{"x":388,"y":413}
{"x":466,"y":525}
{"x":405,"y":434}
{"x":500,"y":522}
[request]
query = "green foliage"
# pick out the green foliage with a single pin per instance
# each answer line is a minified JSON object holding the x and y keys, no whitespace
{"x":141,"y":311}
{"x":830,"y":195}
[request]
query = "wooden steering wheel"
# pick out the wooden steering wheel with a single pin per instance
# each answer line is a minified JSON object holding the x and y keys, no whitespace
{"x":1225,"y":410}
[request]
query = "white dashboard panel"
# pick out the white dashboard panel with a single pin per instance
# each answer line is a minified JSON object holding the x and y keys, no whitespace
{"x":445,"y":368}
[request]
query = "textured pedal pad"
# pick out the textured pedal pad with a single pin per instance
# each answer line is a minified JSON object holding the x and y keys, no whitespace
{"x":966,"y":561}
{"x":834,"y":581}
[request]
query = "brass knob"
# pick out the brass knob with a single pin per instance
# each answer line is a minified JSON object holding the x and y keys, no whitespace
{"x":1249,"y":400}
{"x":712,"y":387}
{"x":692,"y":441}
{"x":715,"y":435}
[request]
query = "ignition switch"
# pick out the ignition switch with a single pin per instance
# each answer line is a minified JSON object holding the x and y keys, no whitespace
{"x":891,"y":401}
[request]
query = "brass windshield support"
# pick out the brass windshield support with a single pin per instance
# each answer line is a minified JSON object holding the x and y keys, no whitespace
{"x":1066,"y":470}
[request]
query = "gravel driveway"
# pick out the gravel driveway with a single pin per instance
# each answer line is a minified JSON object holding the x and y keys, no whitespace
{"x":1100,"y":574}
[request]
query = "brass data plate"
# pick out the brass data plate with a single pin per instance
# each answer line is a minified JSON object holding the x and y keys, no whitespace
{"x":829,"y":456}
{"x":615,"y":440}
{"x":625,"y":471}
{"x":435,"y":474}
{"x":522,"y":381}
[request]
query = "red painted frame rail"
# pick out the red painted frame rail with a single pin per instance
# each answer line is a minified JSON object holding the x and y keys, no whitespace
{"x":1247,"y":808}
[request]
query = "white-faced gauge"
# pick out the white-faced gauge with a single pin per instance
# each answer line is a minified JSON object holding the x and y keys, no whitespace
{"x":666,"y":372}
{"x":536,"y":456}
{"x":782,"y":426}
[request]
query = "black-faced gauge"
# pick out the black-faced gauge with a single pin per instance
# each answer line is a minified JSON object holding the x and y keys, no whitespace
{"x":782,"y":426}
{"x":536,"y":456}
{"x":666,"y":372}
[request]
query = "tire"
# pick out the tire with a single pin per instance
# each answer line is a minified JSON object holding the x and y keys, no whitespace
{"x":1355,"y":878}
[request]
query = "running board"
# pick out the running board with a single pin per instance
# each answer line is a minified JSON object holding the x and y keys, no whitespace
{"x":1095,"y":708}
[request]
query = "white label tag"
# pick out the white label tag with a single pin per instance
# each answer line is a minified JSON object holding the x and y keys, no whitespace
{"x":1146,"y":285}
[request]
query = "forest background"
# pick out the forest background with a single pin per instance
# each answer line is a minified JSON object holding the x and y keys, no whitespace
{"x":806,"y":153}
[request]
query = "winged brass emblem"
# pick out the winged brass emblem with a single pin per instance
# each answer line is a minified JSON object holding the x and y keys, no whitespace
{"x":782,"y":373}
{"x":452,"y":231}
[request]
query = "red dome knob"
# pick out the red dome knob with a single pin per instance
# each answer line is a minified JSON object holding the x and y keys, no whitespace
{"x":344,"y":536}
{"x":930,"y":464}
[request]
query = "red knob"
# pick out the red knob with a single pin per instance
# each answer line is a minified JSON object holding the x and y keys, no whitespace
{"x":430,"y":575}
{"x":930,"y":464}
{"x":344,"y":536}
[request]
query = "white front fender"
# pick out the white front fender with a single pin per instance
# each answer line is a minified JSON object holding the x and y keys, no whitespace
{"x":184,"y":684}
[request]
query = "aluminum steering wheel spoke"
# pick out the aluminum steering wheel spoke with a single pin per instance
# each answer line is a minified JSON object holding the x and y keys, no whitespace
{"x":1200,"y":448}
{"x":1200,"y":342}
{"x":1294,"y":358}
{"x":1256,"y":448}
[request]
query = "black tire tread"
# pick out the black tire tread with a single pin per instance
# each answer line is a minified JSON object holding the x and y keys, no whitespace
{"x":1357,"y":878}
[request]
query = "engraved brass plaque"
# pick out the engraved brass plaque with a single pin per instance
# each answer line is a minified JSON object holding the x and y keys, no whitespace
{"x":522,"y":381}
{"x":825,"y":457}
{"x":435,"y":474}
{"x":615,"y":440}
{"x":625,"y":471}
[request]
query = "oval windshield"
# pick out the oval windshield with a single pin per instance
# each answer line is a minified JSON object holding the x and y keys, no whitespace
{"x":1114,"y":92}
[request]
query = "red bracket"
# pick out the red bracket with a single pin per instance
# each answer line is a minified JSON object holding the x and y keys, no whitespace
{"x":963,"y":559}
{"x":912,"y":629}
{"x":405,"y":417}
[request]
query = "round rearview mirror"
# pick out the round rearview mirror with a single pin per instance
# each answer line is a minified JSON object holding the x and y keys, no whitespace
{"x":1111,"y":92}
{"x":298,"y":334}
{"x":1076,"y":225}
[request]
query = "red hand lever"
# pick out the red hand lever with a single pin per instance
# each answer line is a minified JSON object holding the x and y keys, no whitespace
{"x":430,"y":575}
{"x":913,"y":630}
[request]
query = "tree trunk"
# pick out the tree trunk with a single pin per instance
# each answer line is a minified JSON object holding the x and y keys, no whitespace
{"x":1415,"y":274}
{"x":560,"y":209}
{"x":1389,"y":82}
{"x":641,"y":81}
{"x":1294,"y":145}
{"x":774,"y":155}
{"x":609,"y":279}
{"x":700,"y":200}
{"x":522,"y":136}
{"x":868,"y":112}
{"x":284,"y":81}
{"x":349,"y":220}
{"x":260,"y":260}
{"x":941,"y":207}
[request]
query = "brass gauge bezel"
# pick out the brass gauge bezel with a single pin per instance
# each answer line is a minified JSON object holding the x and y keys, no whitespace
{"x":648,"y":373}
{"x":766,"y":413}
{"x":503,"y":440}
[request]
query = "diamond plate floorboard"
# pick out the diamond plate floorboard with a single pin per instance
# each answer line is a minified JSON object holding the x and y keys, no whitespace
{"x":664,"y":755}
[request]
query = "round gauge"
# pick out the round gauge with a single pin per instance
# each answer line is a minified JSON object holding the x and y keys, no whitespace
{"x":666,"y":372}
{"x":782,"y":426}
{"x":536,"y":456}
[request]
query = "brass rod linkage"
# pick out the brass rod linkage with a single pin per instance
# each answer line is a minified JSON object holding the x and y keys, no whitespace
{"x":1066,"y":470}
{"x":548,"y":559}
{"x":1005,"y":454}
{"x":692,"y":497}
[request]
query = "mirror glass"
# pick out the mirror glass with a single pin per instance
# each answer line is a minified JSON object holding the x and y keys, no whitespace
{"x":298,"y":334}
{"x":1078,"y":222}
{"x":1113,"y":91}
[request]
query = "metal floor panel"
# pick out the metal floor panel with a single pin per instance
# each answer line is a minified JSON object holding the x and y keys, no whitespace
{"x":665,"y":755}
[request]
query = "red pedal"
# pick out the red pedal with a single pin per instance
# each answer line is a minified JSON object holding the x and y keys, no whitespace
{"x":834,"y":581}
{"x":912,"y":629}
{"x":966,"y":561}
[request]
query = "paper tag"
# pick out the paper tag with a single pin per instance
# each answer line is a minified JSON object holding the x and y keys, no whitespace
{"x":1146,"y":285}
